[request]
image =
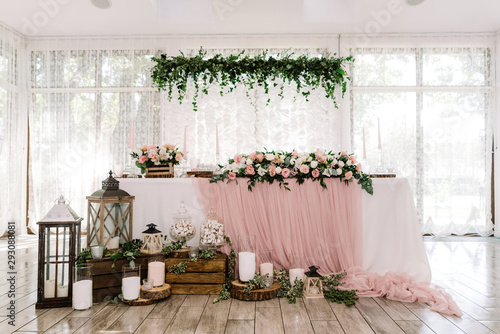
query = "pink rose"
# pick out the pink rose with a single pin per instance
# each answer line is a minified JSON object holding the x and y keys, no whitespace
{"x":353,"y":160}
{"x":260,"y":157}
{"x":253,"y":155}
{"x":272,"y":170}
{"x":285,"y":172}
{"x":315,"y":173}
{"x":232,"y":176}
{"x":343,"y":153}
{"x":304,"y":169}
{"x":142,"y":159}
{"x":144,"y":148}
{"x":169,"y":146}
{"x":250,"y":170}
{"x":295,"y":154}
{"x":151,"y":147}
{"x":178,"y":157}
{"x":152,"y":155}
{"x":358,"y":167}
{"x":237,"y":158}
{"x":348,"y":175}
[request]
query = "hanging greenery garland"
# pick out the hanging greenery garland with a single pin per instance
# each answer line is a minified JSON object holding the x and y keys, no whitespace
{"x":306,"y":73}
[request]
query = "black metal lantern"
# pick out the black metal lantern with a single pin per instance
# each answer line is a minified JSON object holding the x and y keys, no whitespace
{"x":110,"y":212}
{"x":152,"y":240}
{"x":58,"y":246}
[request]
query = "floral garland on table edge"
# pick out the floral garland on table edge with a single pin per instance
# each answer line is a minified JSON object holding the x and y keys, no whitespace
{"x":153,"y":155}
{"x":279,"y":166}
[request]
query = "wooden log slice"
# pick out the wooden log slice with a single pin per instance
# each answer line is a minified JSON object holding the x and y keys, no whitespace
{"x":140,"y":302}
{"x":180,"y":254}
{"x":254,"y":295}
{"x":157,"y":293}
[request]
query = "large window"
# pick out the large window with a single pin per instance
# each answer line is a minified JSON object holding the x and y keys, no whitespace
{"x":433,"y":106}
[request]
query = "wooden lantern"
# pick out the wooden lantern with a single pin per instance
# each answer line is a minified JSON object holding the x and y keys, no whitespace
{"x":58,"y":246}
{"x":152,"y":240}
{"x":312,"y":285}
{"x":110,"y":212}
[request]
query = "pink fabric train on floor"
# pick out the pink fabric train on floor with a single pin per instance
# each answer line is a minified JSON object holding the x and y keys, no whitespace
{"x":324,"y":224}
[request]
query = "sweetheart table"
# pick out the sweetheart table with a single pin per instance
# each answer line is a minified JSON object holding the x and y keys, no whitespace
{"x":387,"y":229}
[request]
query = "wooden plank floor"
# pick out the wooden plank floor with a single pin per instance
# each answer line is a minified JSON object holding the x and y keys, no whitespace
{"x":468,"y":268}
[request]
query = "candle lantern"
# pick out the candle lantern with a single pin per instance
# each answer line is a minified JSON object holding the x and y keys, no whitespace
{"x":152,"y":240}
{"x":58,"y":246}
{"x":110,"y":212}
{"x":312,"y":285}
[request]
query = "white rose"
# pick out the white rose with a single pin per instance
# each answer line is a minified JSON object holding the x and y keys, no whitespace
{"x":301,"y":154}
{"x":261,"y":171}
{"x":314,"y":164}
{"x":341,"y":164}
{"x":349,"y":162}
{"x":292,"y":161}
{"x":270,"y":157}
{"x":326,"y":172}
{"x":163,"y":150}
{"x":339,"y":171}
{"x":282,"y":157}
{"x":249,"y":161}
{"x":334,"y":162}
{"x":309,"y":159}
{"x":278,"y":170}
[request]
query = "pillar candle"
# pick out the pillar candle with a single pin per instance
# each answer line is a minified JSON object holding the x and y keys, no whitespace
{"x":364,"y":145}
{"x":246,"y":266}
{"x":114,"y":243}
{"x":62,"y":291}
{"x":49,"y":289}
{"x":217,"y":140}
{"x":131,"y":287}
{"x":82,"y":294}
{"x":156,"y":273}
{"x":296,"y":273}
{"x":266,"y":268}
{"x":379,"y":139}
{"x":185,"y":147}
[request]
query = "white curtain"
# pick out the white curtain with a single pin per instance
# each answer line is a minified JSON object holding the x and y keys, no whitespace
{"x":13,"y":130}
{"x":434,"y":99}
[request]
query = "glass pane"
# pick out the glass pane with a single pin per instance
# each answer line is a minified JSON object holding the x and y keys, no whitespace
{"x":384,"y":69}
{"x":454,"y":156}
{"x":455,"y":68}
{"x":62,"y":280}
{"x":126,"y":68}
{"x":397,"y":115}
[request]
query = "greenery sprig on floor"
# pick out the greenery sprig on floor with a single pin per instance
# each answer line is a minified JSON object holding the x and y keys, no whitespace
{"x":175,"y":73}
{"x":286,"y":290}
{"x":330,"y":291}
{"x":230,"y":273}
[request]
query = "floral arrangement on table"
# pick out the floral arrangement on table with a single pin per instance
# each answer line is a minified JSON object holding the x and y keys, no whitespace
{"x":153,"y":155}
{"x":279,"y":166}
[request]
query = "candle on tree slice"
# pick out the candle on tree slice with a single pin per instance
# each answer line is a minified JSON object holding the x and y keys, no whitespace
{"x":246,"y":266}
{"x":255,"y":295}
{"x":156,"y":272}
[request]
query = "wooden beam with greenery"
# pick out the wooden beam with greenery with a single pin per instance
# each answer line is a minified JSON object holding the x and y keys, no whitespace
{"x":174,"y":73}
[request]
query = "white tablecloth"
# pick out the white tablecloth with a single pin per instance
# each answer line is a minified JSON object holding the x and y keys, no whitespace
{"x":392,"y":241}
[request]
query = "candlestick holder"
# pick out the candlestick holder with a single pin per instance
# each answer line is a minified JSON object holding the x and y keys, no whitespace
{"x":380,"y":167}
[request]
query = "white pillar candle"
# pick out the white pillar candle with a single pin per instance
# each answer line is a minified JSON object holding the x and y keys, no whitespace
{"x":131,"y":287}
{"x":114,"y":243}
{"x":266,"y":268}
{"x":49,"y":288}
{"x":296,"y":273}
{"x":82,"y":294}
{"x":156,"y":272}
{"x":246,"y":266}
{"x":62,"y":291}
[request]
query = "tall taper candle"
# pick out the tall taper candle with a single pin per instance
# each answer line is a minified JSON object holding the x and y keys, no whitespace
{"x":131,"y":135}
{"x":216,"y":139}
{"x":364,"y":145}
{"x":379,"y":140}
{"x":185,"y":147}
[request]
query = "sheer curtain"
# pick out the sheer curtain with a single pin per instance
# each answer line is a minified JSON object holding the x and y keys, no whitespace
{"x":13,"y":130}
{"x":433,"y":97}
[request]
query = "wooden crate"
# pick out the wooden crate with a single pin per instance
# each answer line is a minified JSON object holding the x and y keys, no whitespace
{"x":106,"y":282}
{"x":165,"y":171}
{"x":204,"y":277}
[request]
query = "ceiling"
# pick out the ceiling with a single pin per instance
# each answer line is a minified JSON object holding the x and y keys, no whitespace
{"x":158,"y":17}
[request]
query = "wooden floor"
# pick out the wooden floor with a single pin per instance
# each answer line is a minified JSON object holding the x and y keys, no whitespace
{"x":466,"y":267}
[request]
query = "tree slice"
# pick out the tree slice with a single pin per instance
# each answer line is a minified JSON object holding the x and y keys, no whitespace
{"x":255,"y":295}
{"x":157,"y":293}
{"x":140,"y":302}
{"x":180,"y":254}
